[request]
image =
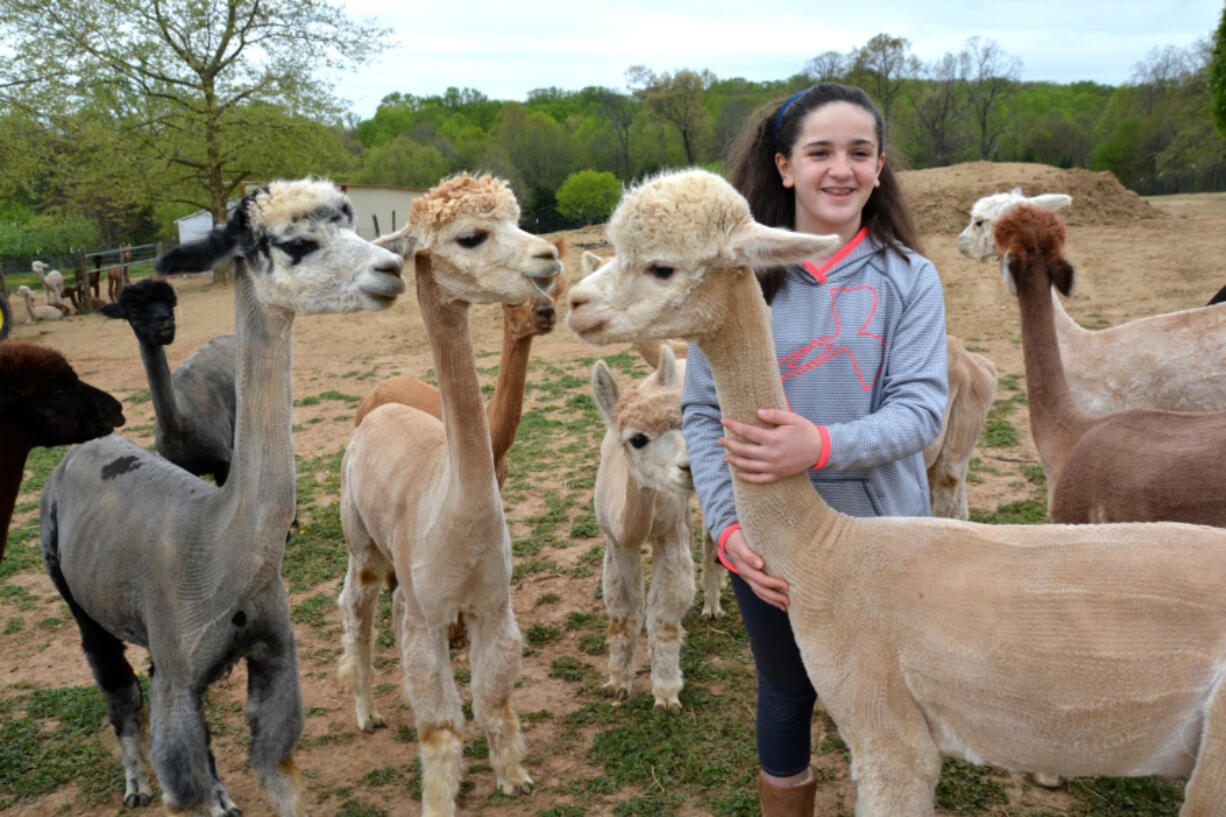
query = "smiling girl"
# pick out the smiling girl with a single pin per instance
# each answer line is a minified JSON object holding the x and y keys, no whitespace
{"x":860,"y":334}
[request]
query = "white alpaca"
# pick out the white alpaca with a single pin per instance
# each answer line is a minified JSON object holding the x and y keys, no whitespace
{"x":38,"y":312}
{"x":1175,"y":361}
{"x":53,"y":282}
{"x":1071,"y":649}
{"x":643,"y":487}
{"x":419,"y":498}
{"x":972,"y":387}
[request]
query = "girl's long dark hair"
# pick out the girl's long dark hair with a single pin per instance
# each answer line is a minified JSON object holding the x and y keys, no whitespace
{"x":751,"y":169}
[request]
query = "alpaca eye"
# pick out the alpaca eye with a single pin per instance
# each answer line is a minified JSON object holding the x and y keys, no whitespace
{"x":661,"y":272}
{"x":472,"y":240}
{"x":638,"y":440}
{"x":298,"y":248}
{"x":979,"y":223}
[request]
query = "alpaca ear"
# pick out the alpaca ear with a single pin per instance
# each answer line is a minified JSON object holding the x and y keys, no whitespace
{"x":667,"y":366}
{"x":111,"y":310}
{"x":204,"y":254}
{"x":605,"y":391}
{"x":1063,"y":276}
{"x":590,"y":262}
{"x":760,"y":246}
{"x":1051,"y":201}
{"x":398,"y":242}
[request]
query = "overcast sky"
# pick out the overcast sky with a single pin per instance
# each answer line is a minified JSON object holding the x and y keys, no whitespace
{"x":507,"y":49}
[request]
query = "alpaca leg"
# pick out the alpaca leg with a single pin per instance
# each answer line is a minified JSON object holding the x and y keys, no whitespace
{"x":495,"y":654}
{"x":622,"y":584}
{"x":672,"y":592}
{"x":713,"y":577}
{"x":357,"y":602}
{"x":1205,"y":794}
{"x":274,"y":715}
{"x":124,"y":700}
{"x":178,"y":747}
{"x":431,"y":689}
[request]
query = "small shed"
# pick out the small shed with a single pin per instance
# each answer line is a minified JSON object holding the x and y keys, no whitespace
{"x":380,"y":208}
{"x":194,"y":226}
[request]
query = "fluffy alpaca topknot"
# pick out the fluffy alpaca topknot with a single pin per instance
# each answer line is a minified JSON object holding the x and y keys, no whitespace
{"x":654,"y":212}
{"x":1027,"y":229}
{"x":135,"y":297}
{"x":486,"y":197}
{"x":654,"y":411}
{"x":280,"y":203}
{"x":26,"y":368}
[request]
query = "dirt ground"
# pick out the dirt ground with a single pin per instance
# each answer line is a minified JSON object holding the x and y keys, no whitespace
{"x":1134,"y":257}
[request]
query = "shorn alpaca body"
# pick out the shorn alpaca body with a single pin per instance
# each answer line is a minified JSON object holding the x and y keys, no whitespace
{"x":1175,"y":361}
{"x":419,"y":500}
{"x":195,"y":406}
{"x":146,"y":553}
{"x":38,"y":312}
{"x":1132,"y":466}
{"x":43,"y":403}
{"x":972,"y":387}
{"x":53,"y":282}
{"x":642,"y":493}
{"x":1072,"y":649}
{"x":520,"y":324}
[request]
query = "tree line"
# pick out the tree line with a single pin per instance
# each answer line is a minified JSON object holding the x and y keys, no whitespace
{"x":142,"y":113}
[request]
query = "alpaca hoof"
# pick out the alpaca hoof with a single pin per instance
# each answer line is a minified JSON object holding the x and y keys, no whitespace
{"x":524,"y":787}
{"x":137,"y":799}
{"x":373,"y":721}
{"x":1048,"y":780}
{"x":670,"y":705}
{"x":618,"y":691}
{"x":708,"y":613}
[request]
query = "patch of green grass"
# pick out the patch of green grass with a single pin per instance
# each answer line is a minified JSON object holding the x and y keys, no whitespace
{"x":584,"y":526}
{"x":532,"y":566}
{"x":547,"y":598}
{"x":384,"y":776}
{"x":593,"y":644}
{"x":312,"y":611}
{"x":1034,"y":475}
{"x":562,"y":811}
{"x":542,"y":633}
{"x":998,"y":434}
{"x":13,"y":626}
{"x":316,"y":550}
{"x":1021,"y":512}
{"x":17,"y":595}
{"x":355,"y":807}
{"x":968,"y":789}
{"x":1126,"y":797}
{"x":139,"y":396}
{"x":568,"y":668}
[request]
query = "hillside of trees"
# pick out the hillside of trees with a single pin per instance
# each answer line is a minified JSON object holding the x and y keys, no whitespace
{"x":112,"y":162}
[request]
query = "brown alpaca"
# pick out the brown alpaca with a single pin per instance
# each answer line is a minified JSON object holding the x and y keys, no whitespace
{"x":43,"y":403}
{"x":1139,"y":465}
{"x":520,"y":324}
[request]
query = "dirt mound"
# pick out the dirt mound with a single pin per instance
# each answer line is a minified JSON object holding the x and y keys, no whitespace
{"x":941,"y":197}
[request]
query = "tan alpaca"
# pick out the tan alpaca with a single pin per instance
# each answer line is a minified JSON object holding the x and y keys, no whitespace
{"x":1073,"y":649}
{"x":1172,"y":361}
{"x":972,"y":387}
{"x":420,"y":504}
{"x":520,"y":324}
{"x":38,"y":312}
{"x":643,"y":487}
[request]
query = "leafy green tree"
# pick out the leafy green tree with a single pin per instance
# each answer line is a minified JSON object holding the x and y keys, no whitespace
{"x":187,"y":70}
{"x":1217,"y":76}
{"x":540,"y":148}
{"x":881,"y":66}
{"x":589,"y":196}
{"x":677,"y":99}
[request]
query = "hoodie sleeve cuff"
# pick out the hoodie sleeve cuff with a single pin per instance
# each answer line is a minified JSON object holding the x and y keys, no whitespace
{"x":723,"y":537}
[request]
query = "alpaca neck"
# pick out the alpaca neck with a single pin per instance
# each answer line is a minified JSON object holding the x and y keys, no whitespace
{"x":507,"y":405}
{"x":13,"y":451}
{"x":781,"y":521}
{"x":157,"y":372}
{"x":636,"y":512}
{"x":25,"y":296}
{"x":1057,"y":422}
{"x":470,"y":460}
{"x":260,"y":488}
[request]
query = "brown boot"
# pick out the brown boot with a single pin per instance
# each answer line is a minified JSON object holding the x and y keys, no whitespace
{"x":792,"y":801}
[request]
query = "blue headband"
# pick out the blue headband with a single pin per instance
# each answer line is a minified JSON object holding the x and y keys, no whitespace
{"x":784,"y":107}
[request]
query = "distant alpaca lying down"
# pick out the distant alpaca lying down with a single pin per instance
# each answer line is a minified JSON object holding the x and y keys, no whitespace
{"x":1139,"y":465}
{"x":1175,"y":361}
{"x":1071,"y":649}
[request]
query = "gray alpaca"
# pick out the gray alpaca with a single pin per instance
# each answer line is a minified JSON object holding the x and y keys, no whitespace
{"x":144,"y":552}
{"x":195,"y":406}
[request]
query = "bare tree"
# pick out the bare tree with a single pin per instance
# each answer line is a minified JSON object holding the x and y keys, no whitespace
{"x":829,"y":66}
{"x":993,"y":76}
{"x":620,"y":110}
{"x":938,"y":110}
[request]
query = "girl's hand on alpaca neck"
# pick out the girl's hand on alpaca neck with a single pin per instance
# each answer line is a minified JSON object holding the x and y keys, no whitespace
{"x":765,"y":455}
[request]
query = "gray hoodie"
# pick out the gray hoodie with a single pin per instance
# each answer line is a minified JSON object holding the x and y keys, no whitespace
{"x":861,"y":348}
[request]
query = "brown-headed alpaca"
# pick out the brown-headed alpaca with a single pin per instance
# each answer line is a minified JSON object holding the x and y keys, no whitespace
{"x":1132,"y":466}
{"x":43,"y":403}
{"x":1071,"y":649}
{"x":520,"y":324}
{"x":419,"y":500}
{"x":972,"y":386}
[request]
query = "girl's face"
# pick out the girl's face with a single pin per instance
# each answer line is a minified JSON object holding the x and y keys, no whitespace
{"x":832,"y":168}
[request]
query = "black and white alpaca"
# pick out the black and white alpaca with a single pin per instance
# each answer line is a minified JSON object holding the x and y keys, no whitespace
{"x":146,"y":553}
{"x":195,"y":405}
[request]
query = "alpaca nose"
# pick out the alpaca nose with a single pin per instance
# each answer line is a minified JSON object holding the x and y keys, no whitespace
{"x":392,"y":265}
{"x":549,"y":253}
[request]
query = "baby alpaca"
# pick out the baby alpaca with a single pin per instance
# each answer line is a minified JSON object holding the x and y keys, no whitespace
{"x":972,"y":387}
{"x":643,"y":487}
{"x":38,"y":312}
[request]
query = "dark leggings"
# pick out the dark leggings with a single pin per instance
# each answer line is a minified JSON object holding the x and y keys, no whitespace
{"x":785,"y":696}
